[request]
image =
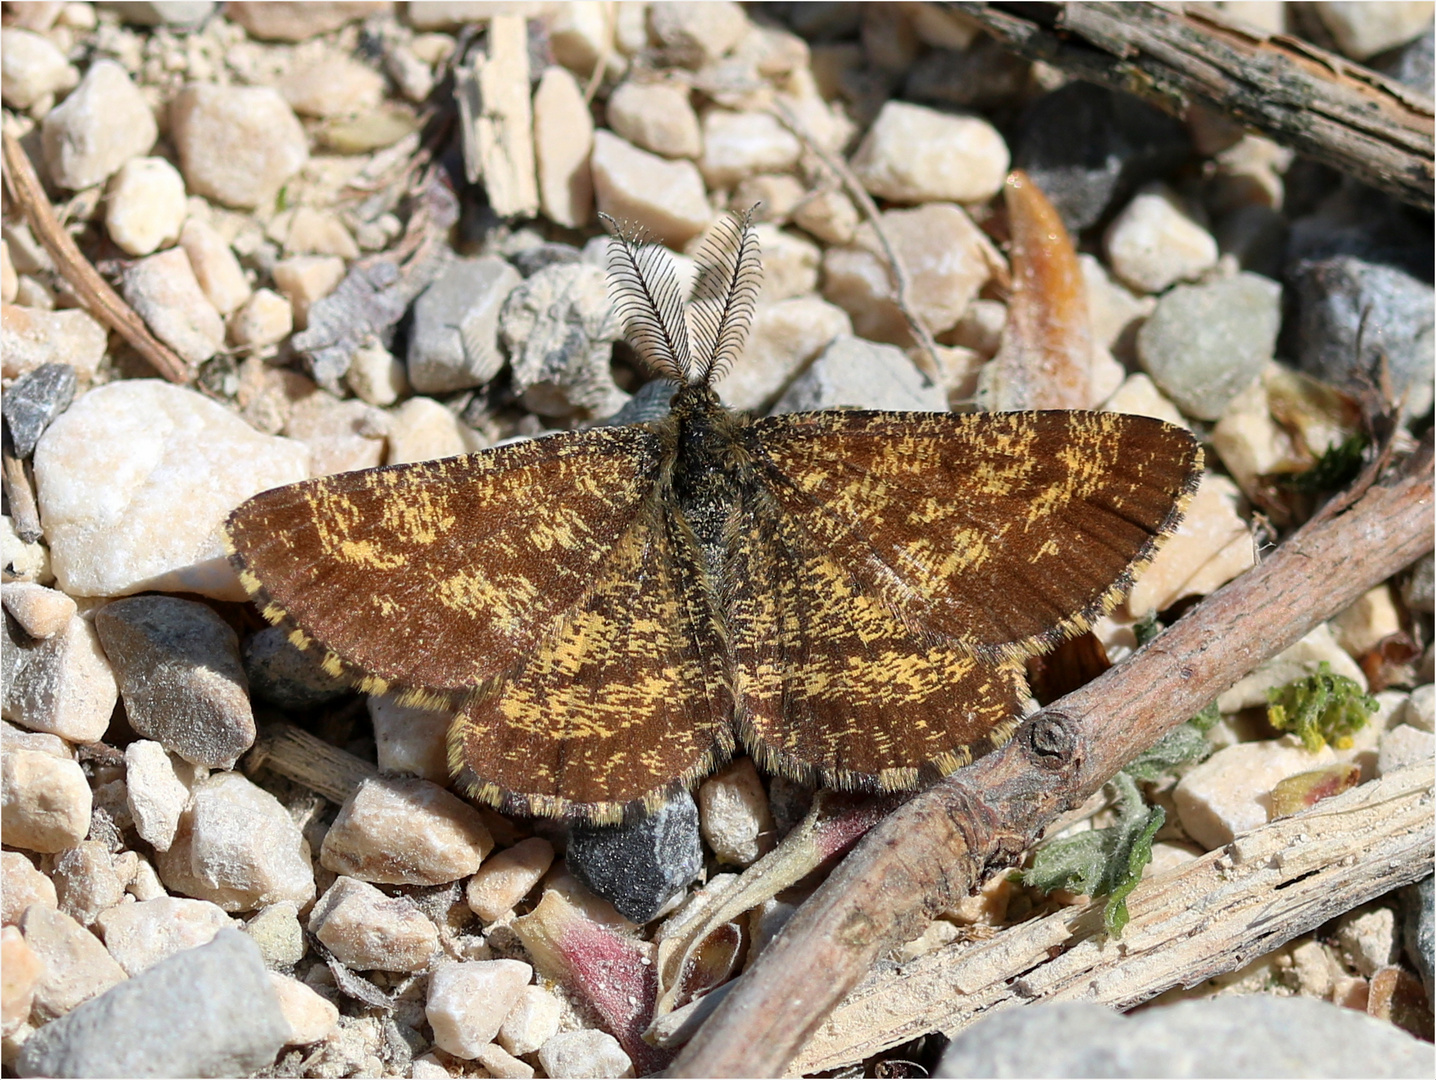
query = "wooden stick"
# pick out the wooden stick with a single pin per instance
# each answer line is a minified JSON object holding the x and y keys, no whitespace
{"x":941,"y":844}
{"x":1212,"y":915}
{"x":308,"y":760}
{"x":20,"y":494}
{"x":1319,"y":104}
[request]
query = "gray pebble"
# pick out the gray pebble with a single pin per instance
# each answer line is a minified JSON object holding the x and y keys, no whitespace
{"x":1088,"y":147}
{"x":1410,"y":64}
{"x":208,"y":1011}
{"x":855,"y":373}
{"x":1254,"y":1035}
{"x":33,"y":400}
{"x":180,"y":675}
{"x":364,"y":306}
{"x":454,"y":341}
{"x":638,"y":867}
{"x":1418,"y":931}
{"x":1206,"y":343}
{"x":982,"y":76}
{"x":649,"y":403}
{"x":1334,"y":295}
{"x":533,"y":259}
{"x":283,"y":675}
{"x":164,"y":12}
{"x":1417,"y":592}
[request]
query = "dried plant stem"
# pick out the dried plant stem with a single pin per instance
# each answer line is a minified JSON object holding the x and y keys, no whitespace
{"x":1174,"y":55}
{"x":103,"y":302}
{"x":902,"y":284}
{"x":1209,"y":916}
{"x":938,"y":846}
{"x":308,"y":760}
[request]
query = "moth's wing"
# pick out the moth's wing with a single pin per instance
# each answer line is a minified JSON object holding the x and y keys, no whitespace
{"x":832,"y":685}
{"x":625,"y":701}
{"x":1007,"y":532}
{"x":442,"y":574}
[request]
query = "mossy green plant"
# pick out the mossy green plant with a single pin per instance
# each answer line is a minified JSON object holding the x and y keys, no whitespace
{"x":1320,"y":708}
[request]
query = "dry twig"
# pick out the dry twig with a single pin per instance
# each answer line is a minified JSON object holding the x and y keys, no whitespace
{"x":103,"y":302}
{"x":937,"y":847}
{"x":1173,"y":55}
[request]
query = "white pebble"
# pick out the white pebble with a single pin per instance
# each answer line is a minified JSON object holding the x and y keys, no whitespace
{"x":737,"y":145}
{"x":376,"y":375}
{"x":733,"y":814}
{"x":508,"y":877}
{"x":305,"y":279}
{"x":656,"y":117}
{"x":422,"y":429}
{"x":23,"y":886}
{"x":1366,"y":28}
{"x":276,"y":930}
{"x":165,"y":293}
{"x":86,"y":882}
{"x":265,"y":319}
{"x":140,"y":935}
{"x":498,"y":1062}
{"x":583,"y":1054}
{"x":334,"y":85}
{"x":145,"y":205}
{"x":237,"y":144}
{"x":784,"y":338}
{"x":563,"y":140}
{"x":134,"y":481}
{"x":318,"y":232}
{"x":532,"y":1021}
{"x":1404,"y":745}
{"x":913,"y":154}
{"x":30,"y":337}
{"x":1420,"y":711}
{"x":1212,"y":546}
{"x":215,"y":266}
{"x":310,"y":1016}
{"x":410,"y":740}
{"x":664,"y":198}
{"x":341,"y":435}
{"x":365,"y":929}
{"x":74,"y":966}
{"x":1228,"y":794}
{"x":468,"y":1002}
{"x":156,"y":791}
{"x":1368,"y":939}
{"x":103,"y":123}
{"x":1153,"y":244}
{"x":41,"y":612}
{"x":31,"y":68}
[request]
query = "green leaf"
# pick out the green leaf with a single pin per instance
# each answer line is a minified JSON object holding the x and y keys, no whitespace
{"x":1334,"y":470}
{"x":1181,"y":745}
{"x":1320,"y":708}
{"x":1146,"y":628}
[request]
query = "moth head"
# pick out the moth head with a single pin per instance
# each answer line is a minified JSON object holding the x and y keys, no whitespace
{"x":651,"y":306}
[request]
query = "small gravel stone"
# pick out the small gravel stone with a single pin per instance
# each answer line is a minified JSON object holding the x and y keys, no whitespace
{"x":134,"y":481}
{"x":1418,"y":928}
{"x":367,"y":930}
{"x":559,"y":327}
{"x":734,"y":816}
{"x":1410,"y":64}
{"x":785,"y":337}
{"x":421,"y":429}
{"x":790,"y":264}
{"x":375,"y":375}
{"x":1204,"y":344}
{"x":318,"y":232}
{"x":695,"y":34}
{"x":1337,"y":297}
{"x":140,"y":935}
{"x":334,"y":85}
{"x":309,"y":1016}
{"x":85,"y":881}
{"x":403,"y":831}
{"x":508,"y":877}
{"x":828,"y":215}
{"x":499,"y":1062}
{"x":1243,"y":1035}
{"x":639,"y":867}
{"x":656,"y":116}
{"x":41,"y":612}
{"x":46,"y":801}
{"x":266,"y":318}
{"x":468,"y":1002}
{"x":665,"y":199}
{"x":20,"y":971}
{"x":238,"y":847}
{"x":1362,"y":30}
{"x":61,"y":684}
{"x":1086,"y":147}
{"x":913,"y":154}
{"x":1404,"y":745}
{"x":31,"y":68}
{"x":74,"y":966}
{"x":215,"y":266}
{"x":23,"y":885}
{"x":410,"y":740}
{"x":290,"y":22}
{"x":1153,"y":243}
{"x":341,"y":435}
{"x":284,"y":675}
{"x":1360,"y":627}
{"x":563,"y":140}
{"x":858,"y":373}
{"x":208,"y":1011}
{"x":771,"y":196}
{"x":33,"y":401}
{"x":943,"y":253}
{"x":31,"y":338}
{"x":1420,"y":709}
{"x":1419,"y":591}
{"x":1367,"y":939}
{"x":145,"y":205}
{"x":737,"y":145}
{"x":156,"y":792}
{"x":103,"y":123}
{"x":453,"y":343}
{"x":237,"y":144}
{"x":276,"y":930}
{"x":165,"y":293}
{"x":587,"y":1053}
{"x":1228,"y":793}
{"x":179,"y":13}
{"x":532,"y":1020}
{"x":181,"y":677}
{"x":307,"y":279}
{"x":1300,"y":660}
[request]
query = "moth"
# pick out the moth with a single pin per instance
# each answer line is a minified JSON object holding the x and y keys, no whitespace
{"x":847,"y":596}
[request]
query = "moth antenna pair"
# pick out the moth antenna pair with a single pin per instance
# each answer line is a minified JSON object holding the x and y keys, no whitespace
{"x":651,"y":306}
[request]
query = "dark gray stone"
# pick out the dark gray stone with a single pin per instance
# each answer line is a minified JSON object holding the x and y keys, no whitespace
{"x":637,"y":867}
{"x":982,"y":76}
{"x":1255,"y":1035}
{"x":453,"y":343}
{"x":1343,"y":300}
{"x":208,"y":1011}
{"x":284,"y":675}
{"x":1417,"y":930}
{"x":1088,"y":147}
{"x":650,"y":402}
{"x":367,"y":303}
{"x":33,"y":400}
{"x":1204,"y":344}
{"x":1410,"y":64}
{"x":533,"y":259}
{"x":180,"y":675}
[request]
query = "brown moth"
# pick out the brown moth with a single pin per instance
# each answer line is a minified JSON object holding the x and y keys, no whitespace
{"x":847,"y":596}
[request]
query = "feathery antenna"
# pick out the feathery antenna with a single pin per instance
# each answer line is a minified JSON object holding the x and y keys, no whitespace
{"x":649,"y":302}
{"x":730,"y":271}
